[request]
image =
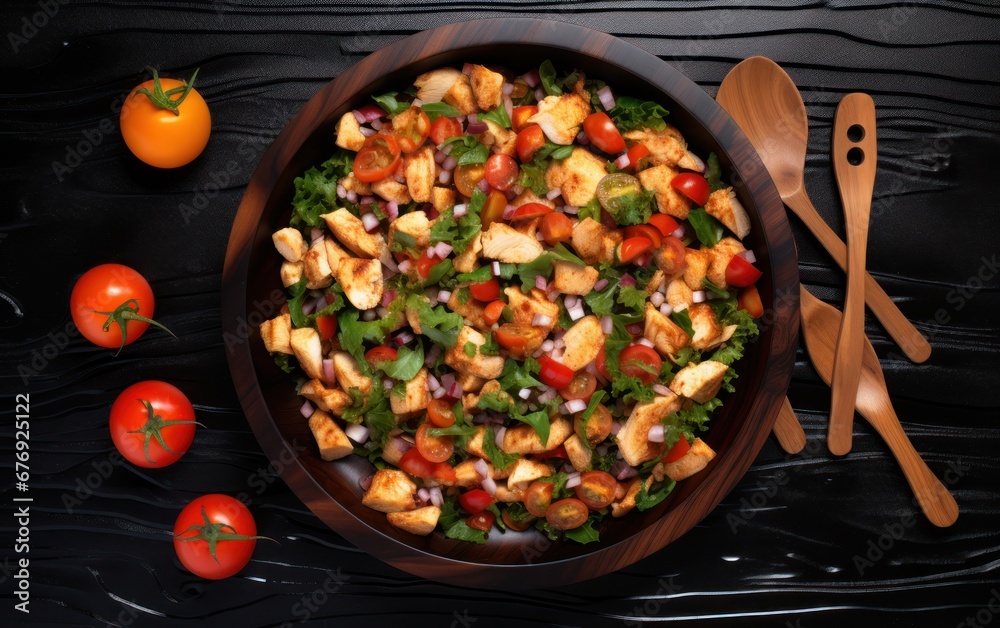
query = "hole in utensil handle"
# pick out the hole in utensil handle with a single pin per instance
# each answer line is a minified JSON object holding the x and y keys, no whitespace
{"x":856,"y":133}
{"x":855,"y":156}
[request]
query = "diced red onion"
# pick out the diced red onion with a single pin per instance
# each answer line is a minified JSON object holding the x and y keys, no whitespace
{"x":381,"y":311}
{"x":432,"y":355}
{"x":602,"y":449}
{"x":646,"y":342}
{"x":655,"y":434}
{"x":360,"y":117}
{"x":606,"y":97}
{"x":615,"y":427}
{"x":698,"y":296}
{"x":423,"y":494}
{"x":439,"y":157}
{"x":573,"y":480}
{"x":508,"y":212}
{"x":489,"y":485}
{"x":666,"y":309}
{"x":748,"y":256}
{"x":548,"y":345}
{"x":475,"y":128}
{"x":660,"y":389}
{"x":467,"y":68}
{"x":507,"y":89}
{"x":510,"y":195}
{"x":508,"y":105}
{"x":315,"y":234}
{"x":369,"y":113}
{"x":440,"y":392}
{"x":436,"y":497}
{"x":449,"y":163}
{"x":571,"y":300}
{"x":307,"y":409}
{"x":392,"y":210}
{"x":524,"y":393}
{"x":607,"y":325}
{"x":558,"y":342}
{"x":553,"y":193}
{"x":308,"y":307}
{"x":498,"y":438}
{"x":365,"y":482}
{"x":404,"y":338}
{"x":516,"y":189}
{"x":573,"y":406}
{"x":460,"y":210}
{"x":329,"y":373}
{"x":484,"y":185}
{"x":447,"y":380}
{"x":377,"y":125}
{"x":368,"y":315}
{"x":623,"y":161}
{"x":447,"y":148}
{"x":445,"y":177}
{"x":430,"y":210}
{"x":548,"y":395}
{"x":480,"y":419}
{"x":352,"y":196}
{"x":367,"y":200}
{"x":443,"y":296}
{"x":656,"y":299}
{"x":601,"y":285}
{"x":678,"y":232}
{"x":622,"y":471}
{"x":444,"y":249}
{"x":576,"y":312}
{"x":627,"y":280}
{"x":370,"y":222}
{"x":540,"y":282}
{"x":481,"y":467}
{"x":553,"y":295}
{"x":367,"y":132}
{"x":570,"y":209}
{"x":357,"y":432}
{"x":388,"y":297}
{"x":541,"y":320}
{"x":432,"y":383}
{"x":532,"y":78}
{"x":495,"y":269}
{"x":405,"y":265}
{"x":416,"y":102}
{"x":582,"y":139}
{"x":455,"y":391}
{"x":540,"y":94}
{"x":387,"y":383}
{"x":341,"y":191}
{"x":635,"y":329}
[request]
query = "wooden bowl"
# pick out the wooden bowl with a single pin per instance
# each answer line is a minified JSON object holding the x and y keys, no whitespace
{"x":252,"y":292}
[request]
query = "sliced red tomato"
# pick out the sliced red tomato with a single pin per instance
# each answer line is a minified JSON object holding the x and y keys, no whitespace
{"x":493,"y":208}
{"x":493,"y":312}
{"x":514,"y":337}
{"x":749,"y":299}
{"x":632,"y":248}
{"x":531,"y":210}
{"x":558,"y":452}
{"x":411,"y":127}
{"x":538,"y":497}
{"x":519,"y":117}
{"x":327,"y":326}
{"x":377,"y":158}
{"x":467,"y":177}
{"x":445,"y":474}
{"x":554,"y":374}
{"x":434,"y":448}
{"x":415,"y":464}
{"x":596,"y":489}
{"x":440,"y":413}
{"x":741,"y":273}
{"x":582,"y":386}
{"x":514,"y":524}
{"x":664,"y":223}
{"x":443,"y":129}
{"x":488,"y":290}
{"x":671,"y":256}
{"x":380,"y":354}
{"x":678,"y":450}
{"x":528,"y":141}
{"x":692,"y":185}
{"x":425,"y":264}
{"x":598,"y":426}
{"x":567,"y":514}
{"x":603,"y":133}
{"x":602,"y":363}
{"x":636,"y":154}
{"x":556,"y":228}
{"x":645,"y":231}
{"x":640,"y":361}
{"x":475,"y":501}
{"x":501,"y":171}
{"x":481,"y":521}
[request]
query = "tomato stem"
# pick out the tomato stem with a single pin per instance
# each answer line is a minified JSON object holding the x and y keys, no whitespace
{"x":154,"y":425}
{"x":127,"y":311}
{"x":164,"y":100}
{"x":212,"y":533}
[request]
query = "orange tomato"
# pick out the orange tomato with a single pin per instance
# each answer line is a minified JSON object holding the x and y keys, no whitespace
{"x":165,"y":122}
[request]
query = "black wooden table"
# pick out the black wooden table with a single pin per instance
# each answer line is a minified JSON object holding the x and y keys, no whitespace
{"x":804,"y":540}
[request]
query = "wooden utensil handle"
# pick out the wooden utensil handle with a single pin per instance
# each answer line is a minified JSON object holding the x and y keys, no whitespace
{"x":788,"y":430}
{"x":913,"y":344}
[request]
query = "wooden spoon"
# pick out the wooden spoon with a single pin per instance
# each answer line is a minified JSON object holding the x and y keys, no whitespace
{"x":765,"y":103}
{"x":788,"y":430}
{"x":819,"y":322}
{"x":854,"y":159}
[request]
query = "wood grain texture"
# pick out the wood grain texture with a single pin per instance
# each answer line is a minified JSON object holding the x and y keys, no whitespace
{"x":780,"y":548}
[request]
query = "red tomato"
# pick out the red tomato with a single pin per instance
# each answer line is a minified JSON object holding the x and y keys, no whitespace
{"x":741,"y":273}
{"x":493,"y":312}
{"x":602,"y":364}
{"x":666,"y":224}
{"x":596,"y":489}
{"x":475,"y":501}
{"x":443,"y":129}
{"x":567,"y":514}
{"x":749,"y":299}
{"x":558,"y":452}
{"x":327,"y":326}
{"x":645,"y":231}
{"x":411,"y":127}
{"x":445,"y":474}
{"x":582,"y":386}
{"x":531,"y":210}
{"x":556,"y":228}
{"x":434,"y":448}
{"x":152,"y":424}
{"x":381,"y":353}
{"x":501,"y":171}
{"x":553,"y":373}
{"x":112,"y":305}
{"x":415,"y":464}
{"x":440,"y":413}
{"x":528,"y":141}
{"x":538,"y":497}
{"x":488,"y":290}
{"x":692,"y":185}
{"x":640,"y":361}
{"x":467,"y":178}
{"x":603,"y":133}
{"x":425,"y":264}
{"x":517,"y":526}
{"x":493,"y":209}
{"x":678,"y":450}
{"x":214,"y":536}
{"x":514,"y":337}
{"x":671,"y":256}
{"x":481,"y":521}
{"x":632,"y":248}
{"x":598,"y":426}
{"x":636,"y":154}
{"x":519,"y":117}
{"x":377,"y":158}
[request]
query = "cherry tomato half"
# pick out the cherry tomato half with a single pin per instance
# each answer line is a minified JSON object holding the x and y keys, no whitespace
{"x":602,"y":363}
{"x":741,"y":273}
{"x":425,"y":264}
{"x":519,"y":117}
{"x":640,"y":361}
{"x":380,"y":354}
{"x":493,"y":312}
{"x":692,"y":185}
{"x":411,"y":127}
{"x":649,"y":232}
{"x":603,"y":133}
{"x":749,"y":300}
{"x":166,"y":122}
{"x":632,"y":248}
{"x":501,"y":171}
{"x":528,"y":141}
{"x":440,"y":413}
{"x":415,"y":464}
{"x":556,"y":228}
{"x":553,"y":373}
{"x":377,"y":158}
{"x":666,"y":224}
{"x":327,"y":326}
{"x":678,"y":451}
{"x":531,"y":210}
{"x":636,"y":154}
{"x":152,"y":424}
{"x":197,"y":534}
{"x":493,"y":209}
{"x":481,"y":521}
{"x":443,"y":129}
{"x":514,"y":337}
{"x":475,"y":500}
{"x":598,"y":426}
{"x":434,"y":448}
{"x":467,"y":177}
{"x":596,"y":489}
{"x":582,"y":386}
{"x":538,"y":497}
{"x":514,"y":524}
{"x":488,"y":290}
{"x":567,"y":514}
{"x":671,"y":256}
